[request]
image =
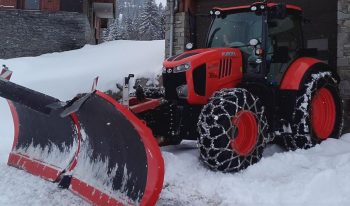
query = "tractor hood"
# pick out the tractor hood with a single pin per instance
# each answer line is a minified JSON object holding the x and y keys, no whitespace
{"x":195,"y":75}
{"x":201,"y":56}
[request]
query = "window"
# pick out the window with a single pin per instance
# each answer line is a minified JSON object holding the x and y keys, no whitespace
{"x":235,"y":30}
{"x":283,"y":43}
{"x":32,"y":4}
{"x":284,"y":34}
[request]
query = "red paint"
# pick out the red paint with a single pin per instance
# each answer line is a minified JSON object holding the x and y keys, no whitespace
{"x":296,"y":72}
{"x":246,"y":135}
{"x":91,"y":194}
{"x":38,"y":167}
{"x":323,"y":113}
{"x":74,"y":162}
{"x":15,"y":123}
{"x":288,"y":6}
{"x":35,"y":167}
{"x":144,"y":106}
{"x":155,"y":162}
{"x":232,"y":8}
{"x":211,"y":57}
{"x":248,"y":6}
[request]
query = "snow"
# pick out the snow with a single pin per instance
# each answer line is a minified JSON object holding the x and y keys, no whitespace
{"x":319,"y":176}
{"x":164,"y":2}
{"x":63,"y":75}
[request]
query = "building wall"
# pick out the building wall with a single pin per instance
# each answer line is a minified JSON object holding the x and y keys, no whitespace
{"x":32,"y":33}
{"x":343,"y":55}
{"x":8,"y":3}
{"x":50,"y":5}
{"x":73,"y":6}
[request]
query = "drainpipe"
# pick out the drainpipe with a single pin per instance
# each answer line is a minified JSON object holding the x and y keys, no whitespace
{"x":174,"y":6}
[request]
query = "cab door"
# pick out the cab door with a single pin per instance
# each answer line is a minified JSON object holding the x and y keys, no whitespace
{"x":283,"y":44}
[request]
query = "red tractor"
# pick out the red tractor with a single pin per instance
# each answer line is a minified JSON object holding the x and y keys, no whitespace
{"x":255,"y":83}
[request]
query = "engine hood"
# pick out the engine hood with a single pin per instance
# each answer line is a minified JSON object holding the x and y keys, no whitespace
{"x":200,"y":56}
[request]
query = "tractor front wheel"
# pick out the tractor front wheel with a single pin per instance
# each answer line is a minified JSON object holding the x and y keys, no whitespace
{"x":233,"y":130}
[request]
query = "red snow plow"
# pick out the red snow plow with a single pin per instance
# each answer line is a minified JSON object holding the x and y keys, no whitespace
{"x":255,"y":83}
{"x":91,"y":145}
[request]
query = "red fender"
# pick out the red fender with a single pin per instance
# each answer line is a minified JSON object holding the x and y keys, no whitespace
{"x":296,"y":72}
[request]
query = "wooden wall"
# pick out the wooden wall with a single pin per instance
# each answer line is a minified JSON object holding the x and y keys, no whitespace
{"x":50,"y":5}
{"x":8,"y":4}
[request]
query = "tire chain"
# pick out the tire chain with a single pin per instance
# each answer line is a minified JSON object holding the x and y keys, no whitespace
{"x":301,"y":130}
{"x":214,"y":111}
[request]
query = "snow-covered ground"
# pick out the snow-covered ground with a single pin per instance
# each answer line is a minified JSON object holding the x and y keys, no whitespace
{"x":319,"y":176}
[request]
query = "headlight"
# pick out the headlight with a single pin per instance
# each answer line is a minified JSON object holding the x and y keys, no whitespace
{"x":182,"y":68}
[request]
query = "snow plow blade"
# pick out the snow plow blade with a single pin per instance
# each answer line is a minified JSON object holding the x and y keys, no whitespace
{"x":102,"y":152}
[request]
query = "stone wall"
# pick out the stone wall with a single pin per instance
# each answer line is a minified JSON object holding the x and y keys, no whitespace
{"x":344,"y":55}
{"x":181,"y":33}
{"x":32,"y":33}
{"x":344,"y":45}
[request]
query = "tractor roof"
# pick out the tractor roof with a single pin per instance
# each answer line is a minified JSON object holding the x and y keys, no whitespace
{"x":249,"y":6}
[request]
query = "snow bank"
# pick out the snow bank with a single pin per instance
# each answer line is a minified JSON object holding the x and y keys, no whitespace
{"x":63,"y":75}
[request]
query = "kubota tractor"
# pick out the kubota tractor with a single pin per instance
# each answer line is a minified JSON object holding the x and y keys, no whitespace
{"x":255,"y":83}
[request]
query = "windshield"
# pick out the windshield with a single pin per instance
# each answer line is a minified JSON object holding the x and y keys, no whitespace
{"x":235,"y":30}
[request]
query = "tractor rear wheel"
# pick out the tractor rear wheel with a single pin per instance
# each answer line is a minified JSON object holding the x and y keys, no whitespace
{"x":233,"y":130}
{"x":318,"y":113}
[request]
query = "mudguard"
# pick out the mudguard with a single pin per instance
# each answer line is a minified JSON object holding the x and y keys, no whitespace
{"x":102,"y":152}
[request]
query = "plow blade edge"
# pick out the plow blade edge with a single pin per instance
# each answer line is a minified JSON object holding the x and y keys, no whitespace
{"x":102,"y":152}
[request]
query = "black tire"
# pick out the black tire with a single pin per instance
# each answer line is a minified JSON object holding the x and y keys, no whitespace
{"x":304,"y":135}
{"x":217,"y":130}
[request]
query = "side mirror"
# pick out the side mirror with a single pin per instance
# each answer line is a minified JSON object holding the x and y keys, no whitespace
{"x":253,"y":42}
{"x":189,"y":46}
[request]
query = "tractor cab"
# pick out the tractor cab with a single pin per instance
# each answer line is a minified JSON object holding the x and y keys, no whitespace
{"x":268,"y":35}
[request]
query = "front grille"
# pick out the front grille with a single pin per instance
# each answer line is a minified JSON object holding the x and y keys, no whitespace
{"x":171,"y":82}
{"x":225,"y":67}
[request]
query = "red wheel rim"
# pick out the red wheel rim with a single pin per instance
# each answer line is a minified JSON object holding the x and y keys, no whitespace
{"x":246,"y":135}
{"x":323,"y":114}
